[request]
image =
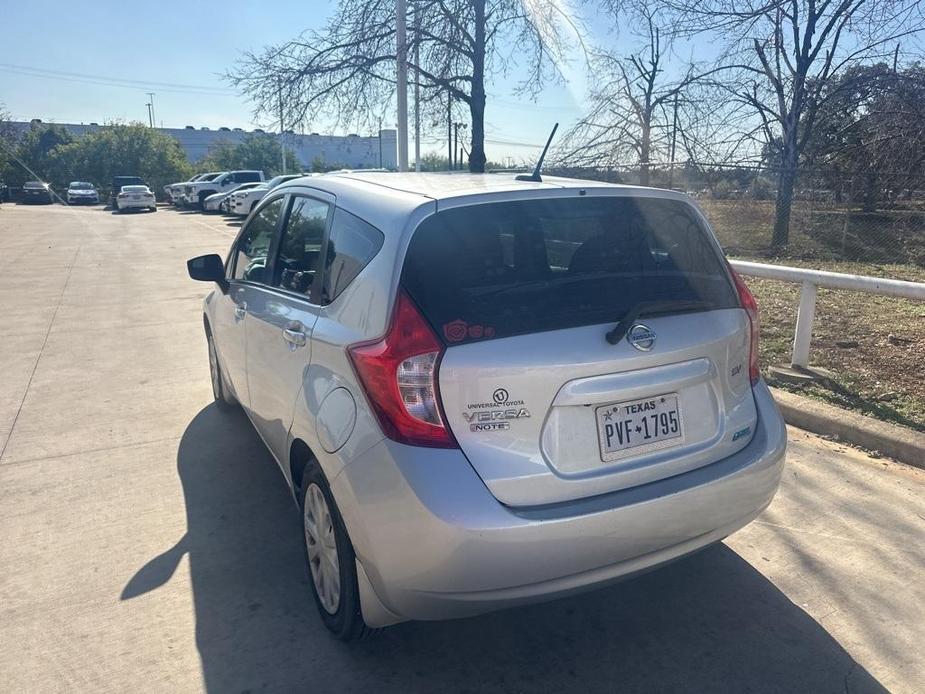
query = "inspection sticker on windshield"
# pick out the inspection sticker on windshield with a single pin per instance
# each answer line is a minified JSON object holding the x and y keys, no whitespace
{"x":639,"y":426}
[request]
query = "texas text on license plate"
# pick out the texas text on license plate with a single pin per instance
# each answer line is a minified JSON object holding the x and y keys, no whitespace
{"x":638,"y":426}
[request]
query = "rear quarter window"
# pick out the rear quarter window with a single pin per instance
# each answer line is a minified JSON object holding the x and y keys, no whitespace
{"x":351,"y":245}
{"x":510,"y":268}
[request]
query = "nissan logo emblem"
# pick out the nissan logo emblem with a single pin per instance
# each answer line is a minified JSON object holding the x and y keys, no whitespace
{"x":641,"y":337}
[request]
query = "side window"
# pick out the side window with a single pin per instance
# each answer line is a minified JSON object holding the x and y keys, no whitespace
{"x":254,"y":244}
{"x":352,"y":244}
{"x":247,"y":176}
{"x":300,"y":245}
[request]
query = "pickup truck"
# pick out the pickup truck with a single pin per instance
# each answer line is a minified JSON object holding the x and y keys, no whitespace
{"x":195,"y":192}
{"x":173,"y":190}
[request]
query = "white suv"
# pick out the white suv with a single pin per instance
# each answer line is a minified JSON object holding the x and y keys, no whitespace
{"x":485,"y":392}
{"x":196,"y":192}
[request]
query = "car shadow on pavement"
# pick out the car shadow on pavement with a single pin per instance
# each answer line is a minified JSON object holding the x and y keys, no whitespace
{"x":708,"y":623}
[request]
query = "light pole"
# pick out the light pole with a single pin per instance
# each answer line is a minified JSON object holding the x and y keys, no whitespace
{"x":401,"y":12}
{"x":417,"y":87}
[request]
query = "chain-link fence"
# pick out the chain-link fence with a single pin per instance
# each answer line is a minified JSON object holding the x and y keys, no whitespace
{"x":866,"y":218}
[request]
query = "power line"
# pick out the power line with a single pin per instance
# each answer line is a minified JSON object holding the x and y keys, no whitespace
{"x":115,"y":81}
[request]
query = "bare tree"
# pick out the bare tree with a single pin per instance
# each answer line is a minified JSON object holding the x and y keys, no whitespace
{"x":635,"y":110}
{"x":346,"y":71}
{"x":782,"y":55}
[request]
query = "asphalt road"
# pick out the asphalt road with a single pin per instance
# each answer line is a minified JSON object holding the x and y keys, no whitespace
{"x":147,"y":542}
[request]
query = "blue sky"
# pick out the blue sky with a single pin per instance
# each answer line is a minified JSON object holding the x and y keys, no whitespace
{"x":191,"y":43}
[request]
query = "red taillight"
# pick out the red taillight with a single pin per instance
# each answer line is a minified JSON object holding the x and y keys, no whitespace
{"x":399,"y":375}
{"x":751,"y":308}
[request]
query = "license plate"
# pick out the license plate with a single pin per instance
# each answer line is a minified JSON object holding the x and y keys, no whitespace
{"x":136,"y":197}
{"x":639,"y":426}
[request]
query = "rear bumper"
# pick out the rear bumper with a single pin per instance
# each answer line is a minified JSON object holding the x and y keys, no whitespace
{"x":434,"y":543}
{"x":136,"y":204}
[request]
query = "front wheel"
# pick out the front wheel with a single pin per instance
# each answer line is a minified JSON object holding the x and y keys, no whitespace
{"x":331,"y":560}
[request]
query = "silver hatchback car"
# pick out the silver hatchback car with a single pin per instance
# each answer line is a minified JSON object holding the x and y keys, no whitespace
{"x":485,"y":392}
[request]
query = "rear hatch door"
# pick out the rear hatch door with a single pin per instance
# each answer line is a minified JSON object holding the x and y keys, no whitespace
{"x":544,"y":406}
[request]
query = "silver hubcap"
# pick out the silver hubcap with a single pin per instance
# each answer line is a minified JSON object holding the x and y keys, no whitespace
{"x":213,"y":371}
{"x":322,"y":548}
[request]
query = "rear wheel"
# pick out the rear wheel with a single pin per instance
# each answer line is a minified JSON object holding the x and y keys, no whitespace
{"x":331,"y":560}
{"x":220,"y":391}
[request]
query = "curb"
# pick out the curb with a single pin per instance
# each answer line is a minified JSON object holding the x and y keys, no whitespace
{"x":897,"y":442}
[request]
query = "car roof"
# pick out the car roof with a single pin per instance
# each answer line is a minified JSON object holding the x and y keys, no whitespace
{"x":446,"y":185}
{"x":385,"y":199}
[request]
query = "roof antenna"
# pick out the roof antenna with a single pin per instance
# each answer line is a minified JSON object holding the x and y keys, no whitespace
{"x":535,"y":176}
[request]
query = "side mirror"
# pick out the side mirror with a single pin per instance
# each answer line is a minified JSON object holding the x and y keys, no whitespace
{"x":208,"y":268}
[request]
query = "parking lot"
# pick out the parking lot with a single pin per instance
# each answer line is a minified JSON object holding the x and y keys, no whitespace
{"x":148,"y":543}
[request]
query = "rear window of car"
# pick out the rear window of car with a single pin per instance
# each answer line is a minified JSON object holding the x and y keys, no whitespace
{"x":246,"y":176}
{"x":352,"y":244}
{"x":501,"y":269}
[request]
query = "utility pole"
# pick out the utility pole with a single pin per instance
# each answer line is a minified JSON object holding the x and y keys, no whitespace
{"x":417,"y":87}
{"x":150,"y":116}
{"x":153,"y":118}
{"x":449,"y":131}
{"x":401,"y":17}
{"x":282,"y":142}
{"x":674,"y":140}
{"x":457,"y":150}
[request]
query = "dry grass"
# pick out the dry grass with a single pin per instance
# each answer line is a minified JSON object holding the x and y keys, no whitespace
{"x":884,"y":374}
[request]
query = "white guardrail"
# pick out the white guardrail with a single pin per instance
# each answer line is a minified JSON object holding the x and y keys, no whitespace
{"x":810,"y":281}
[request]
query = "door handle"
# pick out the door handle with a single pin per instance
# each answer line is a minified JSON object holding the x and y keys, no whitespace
{"x":240,"y":310}
{"x":294,"y":335}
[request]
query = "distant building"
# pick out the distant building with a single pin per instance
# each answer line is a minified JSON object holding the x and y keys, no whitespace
{"x":348,"y":151}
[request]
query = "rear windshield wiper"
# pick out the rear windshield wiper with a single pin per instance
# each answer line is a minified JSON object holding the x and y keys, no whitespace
{"x":650,"y":308}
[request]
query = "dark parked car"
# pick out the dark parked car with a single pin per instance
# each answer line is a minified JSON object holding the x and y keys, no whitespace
{"x":118,"y":182}
{"x":36,"y":191}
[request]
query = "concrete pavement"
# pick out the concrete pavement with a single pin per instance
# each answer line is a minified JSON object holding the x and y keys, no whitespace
{"x":147,"y":541}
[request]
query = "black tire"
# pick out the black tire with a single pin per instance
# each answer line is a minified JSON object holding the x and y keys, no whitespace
{"x":202,"y":200}
{"x":346,"y":623}
{"x":220,"y":391}
{"x":154,"y":209}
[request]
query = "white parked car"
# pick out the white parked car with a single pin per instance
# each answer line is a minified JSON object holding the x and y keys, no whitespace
{"x":81,"y":192}
{"x":195,"y":193}
{"x":487,"y":391}
{"x":135,"y":198}
{"x":173,"y":190}
{"x":214,"y":203}
{"x":242,"y":203}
